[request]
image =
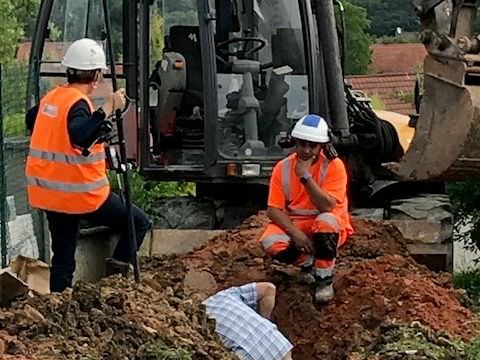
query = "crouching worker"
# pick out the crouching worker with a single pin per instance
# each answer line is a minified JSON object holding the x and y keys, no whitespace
{"x":308,"y":207}
{"x":242,"y":321}
{"x":68,"y":184}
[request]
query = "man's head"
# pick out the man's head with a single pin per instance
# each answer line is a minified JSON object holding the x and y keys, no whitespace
{"x":85,"y":60}
{"x":310,"y":133}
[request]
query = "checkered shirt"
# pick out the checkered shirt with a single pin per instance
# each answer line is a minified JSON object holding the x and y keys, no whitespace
{"x":242,"y":329}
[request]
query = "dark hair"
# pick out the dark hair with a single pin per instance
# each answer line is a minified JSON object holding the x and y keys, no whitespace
{"x":75,"y":76}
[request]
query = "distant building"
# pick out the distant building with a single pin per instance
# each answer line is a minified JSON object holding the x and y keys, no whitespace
{"x":393,"y":90}
{"x":397,"y":58}
{"x":394,"y":68}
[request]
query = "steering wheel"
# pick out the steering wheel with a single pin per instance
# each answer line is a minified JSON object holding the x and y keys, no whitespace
{"x":221,"y":47}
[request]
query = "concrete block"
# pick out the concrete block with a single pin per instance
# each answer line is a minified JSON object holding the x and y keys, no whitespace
{"x":93,"y":246}
{"x":22,"y":239}
{"x":146,"y":248}
{"x":176,"y":242}
{"x":11,"y":210}
{"x":421,"y":231}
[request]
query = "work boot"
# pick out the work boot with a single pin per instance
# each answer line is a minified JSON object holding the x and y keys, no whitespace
{"x":113,"y":266}
{"x":324,"y":293}
{"x":306,"y":275}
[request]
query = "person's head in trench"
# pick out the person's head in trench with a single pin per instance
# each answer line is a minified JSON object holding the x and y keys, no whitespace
{"x":242,"y":316}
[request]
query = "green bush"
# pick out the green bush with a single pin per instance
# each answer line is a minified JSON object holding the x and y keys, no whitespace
{"x":14,"y":125}
{"x":470,"y":282}
{"x":465,"y":196}
{"x":145,"y":193}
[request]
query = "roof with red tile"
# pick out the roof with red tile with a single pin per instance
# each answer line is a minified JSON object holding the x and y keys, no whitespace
{"x":390,"y":88}
{"x":397,"y":58}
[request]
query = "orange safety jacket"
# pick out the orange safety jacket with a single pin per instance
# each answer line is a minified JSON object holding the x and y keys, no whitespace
{"x":287,"y":192}
{"x":59,"y":177}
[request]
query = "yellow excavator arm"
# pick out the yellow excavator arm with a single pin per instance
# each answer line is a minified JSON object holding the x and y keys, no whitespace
{"x":446,"y":144}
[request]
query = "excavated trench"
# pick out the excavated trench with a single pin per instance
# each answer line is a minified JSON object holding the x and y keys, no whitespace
{"x":381,"y":294}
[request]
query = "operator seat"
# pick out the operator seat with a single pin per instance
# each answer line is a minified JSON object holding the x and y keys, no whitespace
{"x":287,"y":50}
{"x":186,"y":41}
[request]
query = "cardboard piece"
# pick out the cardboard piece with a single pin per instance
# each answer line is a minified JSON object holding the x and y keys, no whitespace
{"x":35,"y":273}
{"x":10,"y":287}
{"x":22,"y":276}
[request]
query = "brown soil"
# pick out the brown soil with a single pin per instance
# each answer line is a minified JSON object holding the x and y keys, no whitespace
{"x":376,"y":283}
{"x":114,"y":319}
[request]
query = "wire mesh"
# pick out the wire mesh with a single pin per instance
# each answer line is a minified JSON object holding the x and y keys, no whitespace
{"x":21,"y":227}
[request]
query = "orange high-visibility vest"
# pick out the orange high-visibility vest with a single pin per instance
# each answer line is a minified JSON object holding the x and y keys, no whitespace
{"x":59,"y":177}
{"x":293,"y":198}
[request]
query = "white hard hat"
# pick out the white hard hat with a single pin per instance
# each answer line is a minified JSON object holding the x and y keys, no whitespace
{"x":312,"y":128}
{"x":85,"y":54}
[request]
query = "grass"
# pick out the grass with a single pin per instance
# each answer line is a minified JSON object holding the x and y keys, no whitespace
{"x":159,"y":351}
{"x":405,"y":96}
{"x":377,"y":103}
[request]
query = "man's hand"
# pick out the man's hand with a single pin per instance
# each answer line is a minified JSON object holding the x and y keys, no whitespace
{"x":115,"y":101}
{"x":302,"y":242}
{"x":303,"y":166}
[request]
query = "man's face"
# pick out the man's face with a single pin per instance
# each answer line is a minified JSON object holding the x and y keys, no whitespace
{"x":307,"y":149}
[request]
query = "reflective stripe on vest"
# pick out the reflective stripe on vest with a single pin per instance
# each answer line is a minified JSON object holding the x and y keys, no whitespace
{"x":286,"y":169}
{"x":59,"y":186}
{"x":68,"y":159}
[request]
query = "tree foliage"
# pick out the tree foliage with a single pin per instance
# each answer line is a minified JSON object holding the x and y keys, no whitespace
{"x":387,"y":15}
{"x":465,"y":198}
{"x":10,"y":31}
{"x":358,"y":51}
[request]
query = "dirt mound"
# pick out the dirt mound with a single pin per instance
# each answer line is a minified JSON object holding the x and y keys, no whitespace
{"x":376,"y":283}
{"x":413,"y":342}
{"x":112,"y":320}
{"x":378,"y":288}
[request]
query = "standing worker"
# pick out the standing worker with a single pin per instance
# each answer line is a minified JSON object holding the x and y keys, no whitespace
{"x":308,"y":207}
{"x":70,"y":185}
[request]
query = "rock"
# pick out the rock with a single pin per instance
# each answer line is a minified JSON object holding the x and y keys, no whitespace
{"x":201,"y":282}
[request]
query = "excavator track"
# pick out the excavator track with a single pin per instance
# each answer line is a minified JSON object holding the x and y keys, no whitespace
{"x":446,"y":144}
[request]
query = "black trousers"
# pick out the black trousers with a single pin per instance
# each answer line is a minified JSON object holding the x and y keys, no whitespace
{"x":64,"y":230}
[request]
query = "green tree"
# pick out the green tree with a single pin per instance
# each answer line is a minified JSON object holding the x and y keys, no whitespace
{"x":465,"y":198}
{"x":358,"y":53}
{"x":387,"y":15}
{"x":10,"y":32}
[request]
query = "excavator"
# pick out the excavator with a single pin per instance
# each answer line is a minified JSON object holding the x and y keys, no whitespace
{"x":217,"y":85}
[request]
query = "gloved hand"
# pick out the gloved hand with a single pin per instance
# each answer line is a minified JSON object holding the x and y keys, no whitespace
{"x":115,"y":101}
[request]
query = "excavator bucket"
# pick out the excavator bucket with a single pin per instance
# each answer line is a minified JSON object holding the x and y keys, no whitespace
{"x":446,"y":144}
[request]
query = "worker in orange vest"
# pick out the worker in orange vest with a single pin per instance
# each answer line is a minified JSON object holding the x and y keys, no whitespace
{"x":308,"y":207}
{"x":70,"y":184}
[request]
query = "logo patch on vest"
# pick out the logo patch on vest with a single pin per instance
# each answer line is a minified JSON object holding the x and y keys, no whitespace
{"x":50,"y":110}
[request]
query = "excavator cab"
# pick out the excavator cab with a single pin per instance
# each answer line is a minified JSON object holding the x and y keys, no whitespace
{"x":216,"y":84}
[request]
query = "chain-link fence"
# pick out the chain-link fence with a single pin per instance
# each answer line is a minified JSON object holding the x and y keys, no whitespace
{"x":21,"y":227}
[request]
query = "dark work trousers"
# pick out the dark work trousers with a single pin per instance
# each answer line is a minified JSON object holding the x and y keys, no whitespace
{"x":64,"y":230}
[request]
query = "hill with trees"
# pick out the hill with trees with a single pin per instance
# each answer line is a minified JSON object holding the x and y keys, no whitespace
{"x":386,"y":15}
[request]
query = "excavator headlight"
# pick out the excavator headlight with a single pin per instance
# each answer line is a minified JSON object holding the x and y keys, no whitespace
{"x":251,"y":169}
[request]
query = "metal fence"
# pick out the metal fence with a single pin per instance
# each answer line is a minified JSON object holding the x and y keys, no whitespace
{"x":21,"y":227}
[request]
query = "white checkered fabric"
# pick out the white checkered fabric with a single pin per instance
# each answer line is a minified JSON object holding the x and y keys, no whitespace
{"x":242,"y":329}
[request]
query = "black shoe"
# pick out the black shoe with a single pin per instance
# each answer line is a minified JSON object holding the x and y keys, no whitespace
{"x":113,"y":266}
